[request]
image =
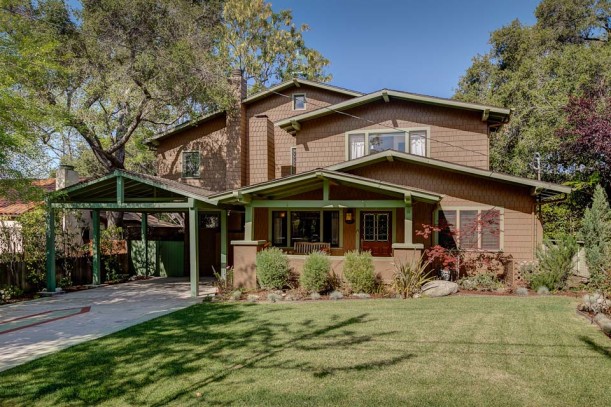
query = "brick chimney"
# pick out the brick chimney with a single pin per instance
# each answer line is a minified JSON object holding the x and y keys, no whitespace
{"x":65,"y":176}
{"x":235,"y":149}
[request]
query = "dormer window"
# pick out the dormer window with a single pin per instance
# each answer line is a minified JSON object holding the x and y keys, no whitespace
{"x":299,"y":101}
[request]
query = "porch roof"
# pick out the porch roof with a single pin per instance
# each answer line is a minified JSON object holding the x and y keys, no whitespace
{"x":311,"y":180}
{"x":544,"y":189}
{"x":123,"y":190}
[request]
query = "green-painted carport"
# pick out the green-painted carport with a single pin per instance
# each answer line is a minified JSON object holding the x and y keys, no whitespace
{"x":124,"y":191}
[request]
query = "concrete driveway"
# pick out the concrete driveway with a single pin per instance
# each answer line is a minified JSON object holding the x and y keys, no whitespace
{"x":111,"y":308}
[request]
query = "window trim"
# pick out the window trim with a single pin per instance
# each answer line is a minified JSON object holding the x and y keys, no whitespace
{"x":479,"y":210}
{"x":305,"y":101}
{"x":406,"y":130}
{"x":288,"y":227}
{"x":199,"y":165}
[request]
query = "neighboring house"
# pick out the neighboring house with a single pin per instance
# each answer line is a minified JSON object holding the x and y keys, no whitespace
{"x":306,"y":166}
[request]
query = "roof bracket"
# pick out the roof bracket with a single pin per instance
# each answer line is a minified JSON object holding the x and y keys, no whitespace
{"x":385,"y":96}
{"x":296,"y":83}
{"x":485,"y":114}
{"x":295,"y":124}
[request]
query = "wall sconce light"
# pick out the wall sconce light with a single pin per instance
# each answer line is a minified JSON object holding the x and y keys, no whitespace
{"x":282,"y":214}
{"x":349,"y":216}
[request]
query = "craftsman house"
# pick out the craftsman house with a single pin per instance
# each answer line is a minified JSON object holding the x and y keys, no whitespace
{"x":309,"y":166}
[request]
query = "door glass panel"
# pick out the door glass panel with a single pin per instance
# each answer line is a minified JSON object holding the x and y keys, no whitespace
{"x":382,"y":227}
{"x":369,"y":227}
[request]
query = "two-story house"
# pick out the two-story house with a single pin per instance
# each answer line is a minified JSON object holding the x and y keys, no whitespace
{"x":307,"y":166}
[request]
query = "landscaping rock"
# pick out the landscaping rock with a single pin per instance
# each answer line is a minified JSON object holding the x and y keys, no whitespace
{"x":361,"y":295}
{"x":604,"y":322}
{"x":252,"y":298}
{"x":439,"y":288}
{"x":336,"y":295}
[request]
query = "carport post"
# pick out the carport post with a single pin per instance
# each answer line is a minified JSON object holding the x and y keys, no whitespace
{"x":194,"y":251}
{"x":50,"y":249}
{"x":223,"y":241}
{"x":96,"y":247}
{"x":145,"y":241}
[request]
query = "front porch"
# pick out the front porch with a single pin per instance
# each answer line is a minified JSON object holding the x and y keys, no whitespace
{"x":329,"y":211}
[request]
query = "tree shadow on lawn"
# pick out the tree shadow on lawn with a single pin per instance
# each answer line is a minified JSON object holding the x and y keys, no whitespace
{"x":207,"y":342}
{"x":596,"y":347}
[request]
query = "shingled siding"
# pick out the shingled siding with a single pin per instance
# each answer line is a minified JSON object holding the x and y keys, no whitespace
{"x":522,"y":229}
{"x":276,"y":108}
{"x":457,"y":136}
{"x":207,"y":138}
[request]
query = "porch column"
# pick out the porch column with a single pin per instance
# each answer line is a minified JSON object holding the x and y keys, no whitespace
{"x":50,"y":249}
{"x":96,"y":247}
{"x":249,"y":234}
{"x":194,"y":251}
{"x":408,"y":221}
{"x":145,"y":241}
{"x":223,"y":241}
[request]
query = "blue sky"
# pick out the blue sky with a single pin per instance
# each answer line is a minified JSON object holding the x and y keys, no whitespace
{"x":416,"y":46}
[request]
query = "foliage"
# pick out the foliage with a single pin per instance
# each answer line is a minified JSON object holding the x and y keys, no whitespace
{"x":596,"y":235}
{"x":555,"y":263}
{"x":315,"y":274}
{"x":480,"y":282}
{"x":267,"y":46}
{"x":224,"y":281}
{"x":111,"y":240}
{"x":545,"y":73}
{"x":9,"y":292}
{"x":409,"y":277}
{"x":273,"y":269}
{"x":359,"y":271}
{"x":112,"y":69}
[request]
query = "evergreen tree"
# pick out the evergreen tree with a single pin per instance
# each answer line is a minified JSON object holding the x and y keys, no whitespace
{"x":596,"y":234}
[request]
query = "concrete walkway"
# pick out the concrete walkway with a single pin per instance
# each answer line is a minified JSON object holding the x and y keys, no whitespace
{"x":113,"y":308}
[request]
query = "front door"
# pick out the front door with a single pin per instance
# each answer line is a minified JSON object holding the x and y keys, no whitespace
{"x":376,"y":233}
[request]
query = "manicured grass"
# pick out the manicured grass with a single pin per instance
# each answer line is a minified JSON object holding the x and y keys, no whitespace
{"x":457,"y":351}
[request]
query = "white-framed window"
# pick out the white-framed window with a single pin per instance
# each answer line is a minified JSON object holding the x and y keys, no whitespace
{"x":299,"y":101}
{"x":470,"y":228}
{"x":361,"y":143}
{"x":190,"y":164}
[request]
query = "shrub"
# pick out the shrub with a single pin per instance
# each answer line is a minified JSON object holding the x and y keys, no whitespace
{"x":543,"y":290}
{"x":480,"y":282}
{"x":224,"y":281}
{"x":252,"y":298}
{"x":315,"y":275}
{"x":273,"y":297}
{"x":273,"y":271}
{"x":359,"y":271}
{"x":408,"y":278}
{"x":555,"y":264}
{"x":522,"y":291}
{"x":336,"y":295}
{"x":596,"y":234}
{"x":236,"y":295}
{"x":315,"y":296}
{"x":8,"y":292}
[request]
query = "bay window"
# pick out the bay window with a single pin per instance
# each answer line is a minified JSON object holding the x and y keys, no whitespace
{"x":360,"y":144}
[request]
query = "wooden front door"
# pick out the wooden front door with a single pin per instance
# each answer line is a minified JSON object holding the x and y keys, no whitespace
{"x":376,"y":232}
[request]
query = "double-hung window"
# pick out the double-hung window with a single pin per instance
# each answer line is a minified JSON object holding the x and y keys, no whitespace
{"x":470,"y":229}
{"x":369,"y":142}
{"x":299,"y":101}
{"x":190,"y":164}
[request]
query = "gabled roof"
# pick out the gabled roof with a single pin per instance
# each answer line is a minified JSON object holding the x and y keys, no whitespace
{"x":185,"y":125}
{"x":282,"y":186}
{"x":297,"y":83}
{"x":545,"y":189}
{"x":489,"y":113}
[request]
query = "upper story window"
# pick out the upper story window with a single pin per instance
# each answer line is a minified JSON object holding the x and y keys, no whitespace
{"x":190,"y":164}
{"x":369,"y":142}
{"x":299,"y":101}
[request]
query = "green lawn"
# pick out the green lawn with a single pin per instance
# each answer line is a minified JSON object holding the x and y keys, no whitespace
{"x":459,"y":351}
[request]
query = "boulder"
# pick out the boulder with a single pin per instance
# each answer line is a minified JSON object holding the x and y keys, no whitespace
{"x":604,"y":322}
{"x":439,"y":288}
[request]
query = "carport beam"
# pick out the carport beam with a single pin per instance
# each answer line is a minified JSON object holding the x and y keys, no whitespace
{"x":96,"y":247}
{"x":50,"y":249}
{"x":194,"y":251}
